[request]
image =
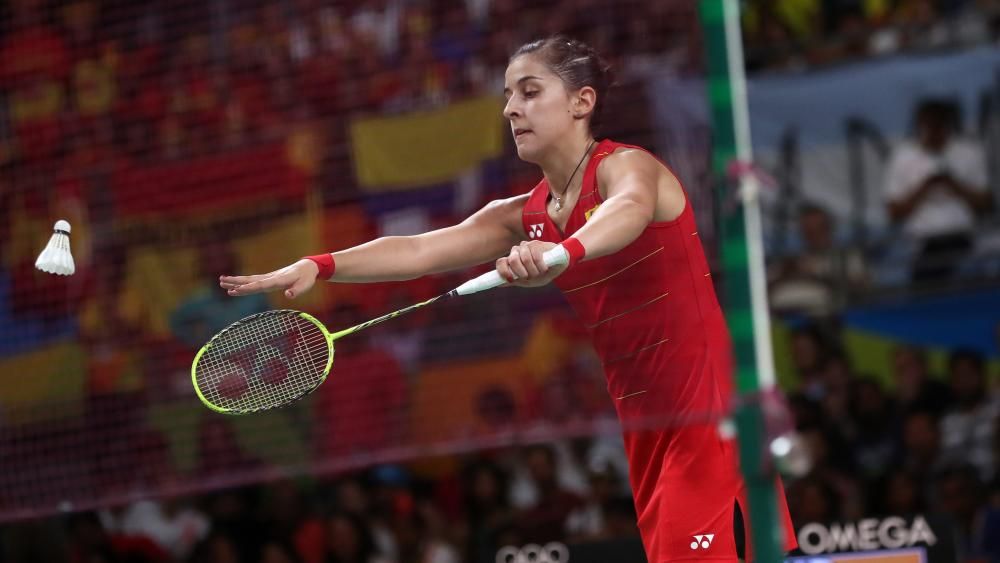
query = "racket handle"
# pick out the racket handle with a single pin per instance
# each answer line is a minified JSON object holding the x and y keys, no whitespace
{"x":555,"y":257}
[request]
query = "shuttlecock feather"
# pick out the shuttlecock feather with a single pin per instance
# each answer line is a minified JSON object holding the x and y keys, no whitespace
{"x":57,"y":258}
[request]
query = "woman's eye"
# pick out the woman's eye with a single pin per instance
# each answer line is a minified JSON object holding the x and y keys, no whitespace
{"x":531,"y":94}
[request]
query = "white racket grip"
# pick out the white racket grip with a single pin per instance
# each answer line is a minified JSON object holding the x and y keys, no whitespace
{"x":555,"y":257}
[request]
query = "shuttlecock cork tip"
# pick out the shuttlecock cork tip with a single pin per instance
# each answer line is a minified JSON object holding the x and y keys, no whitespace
{"x":62,"y":225}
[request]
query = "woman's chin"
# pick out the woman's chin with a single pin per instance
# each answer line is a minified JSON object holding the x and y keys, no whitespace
{"x":527,"y":153}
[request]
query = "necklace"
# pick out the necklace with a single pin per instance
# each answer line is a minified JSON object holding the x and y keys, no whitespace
{"x":559,"y":198}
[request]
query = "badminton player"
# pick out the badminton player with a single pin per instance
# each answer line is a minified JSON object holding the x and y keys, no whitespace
{"x":637,"y":278}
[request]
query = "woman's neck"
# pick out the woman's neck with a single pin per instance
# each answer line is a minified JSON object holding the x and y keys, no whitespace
{"x":559,"y":164}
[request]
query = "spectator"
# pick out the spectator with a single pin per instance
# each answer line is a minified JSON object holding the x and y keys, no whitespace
{"x":546,"y":520}
{"x":901,"y":495}
{"x":349,"y":495}
{"x":208,"y":310}
{"x":874,"y":443}
{"x":621,"y":518}
{"x":590,"y":520}
{"x":959,"y":494}
{"x":915,"y":388}
{"x":173,"y":524}
{"x":34,"y":63}
{"x":349,"y":540}
{"x":91,"y":542}
{"x":379,"y":23}
{"x":487,"y":511}
{"x":812,"y":500}
{"x":277,"y":552}
{"x":936,"y":188}
{"x":833,"y":469}
{"x":231,"y":514}
{"x":967,"y":430}
{"x":838,"y":389}
{"x":920,"y":449}
{"x":217,"y":548}
{"x":820,"y":280}
{"x":220,"y":454}
{"x":420,"y":537}
{"x":810,"y":351}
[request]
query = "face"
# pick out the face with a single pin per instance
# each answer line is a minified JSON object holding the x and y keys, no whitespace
{"x":815,"y":228}
{"x":933,"y":132}
{"x":902,"y":494}
{"x":910,"y":369}
{"x":273,"y":553}
{"x":539,"y":107}
{"x":920,"y":434}
{"x":805,"y":352}
{"x":967,"y":382}
{"x":352,"y":497}
{"x":540,"y":466}
{"x":343,"y":538}
{"x":223,"y":551}
{"x":484,"y":486}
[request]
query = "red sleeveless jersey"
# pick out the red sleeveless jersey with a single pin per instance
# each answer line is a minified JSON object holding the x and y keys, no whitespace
{"x":650,"y":308}
{"x":657,"y":326}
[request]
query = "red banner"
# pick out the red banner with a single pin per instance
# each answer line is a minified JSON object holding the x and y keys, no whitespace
{"x":240,"y":179}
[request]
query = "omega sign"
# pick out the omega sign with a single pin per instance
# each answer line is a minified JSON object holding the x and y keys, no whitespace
{"x":866,"y":535}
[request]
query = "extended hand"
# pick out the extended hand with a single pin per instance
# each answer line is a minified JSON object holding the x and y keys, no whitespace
{"x":294,"y":280}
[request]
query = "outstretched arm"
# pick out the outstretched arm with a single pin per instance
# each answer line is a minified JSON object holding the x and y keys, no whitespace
{"x":488,"y":233}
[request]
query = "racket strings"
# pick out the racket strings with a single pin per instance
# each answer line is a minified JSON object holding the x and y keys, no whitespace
{"x":268,"y":360}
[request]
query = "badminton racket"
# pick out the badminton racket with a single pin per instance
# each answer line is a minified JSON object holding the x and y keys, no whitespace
{"x":270,"y":359}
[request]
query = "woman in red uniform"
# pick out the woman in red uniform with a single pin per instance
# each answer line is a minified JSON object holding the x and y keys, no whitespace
{"x":637,"y":278}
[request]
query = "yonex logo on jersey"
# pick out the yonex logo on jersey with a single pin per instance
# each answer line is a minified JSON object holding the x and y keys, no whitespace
{"x":535,"y":231}
{"x":702,"y":541}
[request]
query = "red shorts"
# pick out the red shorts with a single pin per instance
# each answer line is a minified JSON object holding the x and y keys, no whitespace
{"x":686,"y":482}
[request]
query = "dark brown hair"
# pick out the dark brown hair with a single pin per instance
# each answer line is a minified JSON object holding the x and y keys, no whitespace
{"x":576,"y":64}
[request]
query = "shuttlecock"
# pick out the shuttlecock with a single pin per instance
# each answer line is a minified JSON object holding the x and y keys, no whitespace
{"x":56,"y":258}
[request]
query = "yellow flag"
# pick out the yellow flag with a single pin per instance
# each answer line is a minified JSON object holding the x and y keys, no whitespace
{"x":419,"y":149}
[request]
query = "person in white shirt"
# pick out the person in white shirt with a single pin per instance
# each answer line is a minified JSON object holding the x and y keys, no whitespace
{"x":936,"y":187}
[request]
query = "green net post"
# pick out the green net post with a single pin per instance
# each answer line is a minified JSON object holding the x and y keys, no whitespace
{"x":743,"y":268}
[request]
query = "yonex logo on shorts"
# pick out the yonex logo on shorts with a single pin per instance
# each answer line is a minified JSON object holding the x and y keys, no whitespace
{"x":703,"y":541}
{"x":535,"y":231}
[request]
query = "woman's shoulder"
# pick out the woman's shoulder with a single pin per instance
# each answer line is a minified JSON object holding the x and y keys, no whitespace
{"x":619,"y":158}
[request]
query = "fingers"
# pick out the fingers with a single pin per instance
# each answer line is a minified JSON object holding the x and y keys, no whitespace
{"x":524,"y":264}
{"x":229,"y":282}
{"x":254,"y":284}
{"x":521,"y":263}
{"x":536,"y":252}
{"x":503,"y":268}
{"x":230,"y":285}
{"x":301,"y":285}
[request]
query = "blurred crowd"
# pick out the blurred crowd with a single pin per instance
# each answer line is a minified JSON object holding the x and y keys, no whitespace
{"x":87,"y":82}
{"x":942,"y":232}
{"x":800,"y":34}
{"x":90,"y":81}
{"x":569,"y":491}
{"x":927,"y":443}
